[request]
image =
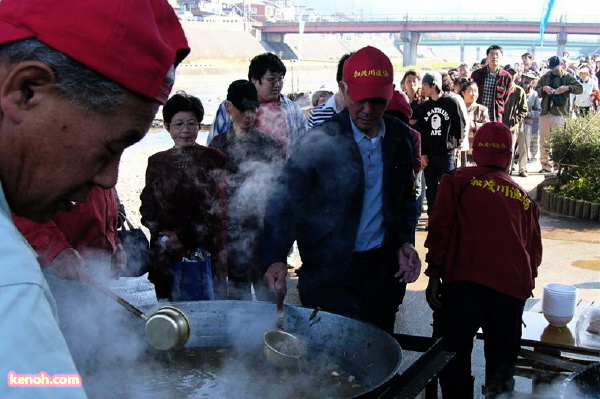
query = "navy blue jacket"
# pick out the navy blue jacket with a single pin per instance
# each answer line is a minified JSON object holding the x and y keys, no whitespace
{"x":319,"y":198}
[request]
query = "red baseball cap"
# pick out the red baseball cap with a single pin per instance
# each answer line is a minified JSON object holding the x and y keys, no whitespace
{"x":399,"y":102}
{"x":492,"y":145}
{"x":369,"y":74}
{"x":133,"y":43}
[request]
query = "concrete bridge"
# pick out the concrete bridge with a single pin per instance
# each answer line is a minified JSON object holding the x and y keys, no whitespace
{"x":481,"y":44}
{"x":409,"y":30}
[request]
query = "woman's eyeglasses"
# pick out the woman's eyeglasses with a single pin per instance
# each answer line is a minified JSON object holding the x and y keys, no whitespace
{"x":191,"y":125}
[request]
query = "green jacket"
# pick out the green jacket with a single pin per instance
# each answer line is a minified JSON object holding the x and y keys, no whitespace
{"x":555,"y":81}
{"x":515,"y":109}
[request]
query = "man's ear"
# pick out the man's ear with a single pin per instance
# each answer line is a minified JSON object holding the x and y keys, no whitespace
{"x":25,"y":85}
{"x":228,"y":106}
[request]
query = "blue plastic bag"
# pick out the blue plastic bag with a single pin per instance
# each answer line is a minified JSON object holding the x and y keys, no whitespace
{"x":192,"y":278}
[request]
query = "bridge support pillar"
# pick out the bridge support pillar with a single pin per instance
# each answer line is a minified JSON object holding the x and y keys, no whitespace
{"x":561,"y":43}
{"x":411,"y":41}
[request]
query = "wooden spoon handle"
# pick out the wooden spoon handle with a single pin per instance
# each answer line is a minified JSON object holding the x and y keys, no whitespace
{"x":280,"y":296}
{"x":119,"y":300}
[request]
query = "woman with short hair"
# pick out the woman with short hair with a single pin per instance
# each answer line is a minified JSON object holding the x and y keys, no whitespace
{"x":183,"y":201}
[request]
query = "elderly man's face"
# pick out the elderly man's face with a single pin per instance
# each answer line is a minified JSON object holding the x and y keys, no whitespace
{"x":366,"y":114}
{"x":243,"y":120}
{"x":52,"y":153}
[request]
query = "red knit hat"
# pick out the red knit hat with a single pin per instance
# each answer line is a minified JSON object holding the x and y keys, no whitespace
{"x":133,"y":43}
{"x":399,"y":102}
{"x":369,"y":74}
{"x":492,"y":145}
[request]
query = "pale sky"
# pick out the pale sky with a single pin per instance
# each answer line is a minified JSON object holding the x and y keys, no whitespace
{"x":439,"y":7}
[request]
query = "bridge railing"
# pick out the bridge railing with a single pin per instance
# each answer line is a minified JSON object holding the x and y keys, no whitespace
{"x":462,"y":17}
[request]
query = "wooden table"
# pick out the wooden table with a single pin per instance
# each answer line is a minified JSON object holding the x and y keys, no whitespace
{"x":549,"y":354}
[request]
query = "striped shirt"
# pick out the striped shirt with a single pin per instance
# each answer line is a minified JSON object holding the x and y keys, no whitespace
{"x":323,"y":112}
{"x":319,"y":115}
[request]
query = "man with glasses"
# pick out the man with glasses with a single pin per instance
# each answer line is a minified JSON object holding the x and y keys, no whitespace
{"x":278,"y":116}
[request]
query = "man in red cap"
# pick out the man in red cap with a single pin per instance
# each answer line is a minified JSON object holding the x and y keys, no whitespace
{"x":485,"y":247}
{"x":80,"y":81}
{"x":347,"y":198}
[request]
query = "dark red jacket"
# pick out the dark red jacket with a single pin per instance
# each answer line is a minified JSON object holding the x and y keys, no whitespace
{"x":186,"y":194}
{"x":503,"y":80}
{"x":484,"y":229}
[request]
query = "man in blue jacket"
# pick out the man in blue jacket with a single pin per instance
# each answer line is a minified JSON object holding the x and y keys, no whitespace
{"x":346,"y":196}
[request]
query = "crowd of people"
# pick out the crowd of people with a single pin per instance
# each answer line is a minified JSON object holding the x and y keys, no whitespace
{"x":344,"y":181}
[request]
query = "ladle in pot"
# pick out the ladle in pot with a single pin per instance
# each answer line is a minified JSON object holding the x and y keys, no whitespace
{"x":281,"y":348}
{"x":166,"y":329}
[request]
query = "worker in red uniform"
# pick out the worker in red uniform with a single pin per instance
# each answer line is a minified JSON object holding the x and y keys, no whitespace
{"x":485,"y":247}
{"x":72,"y":241}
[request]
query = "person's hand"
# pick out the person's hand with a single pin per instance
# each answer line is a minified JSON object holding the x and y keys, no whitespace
{"x":432,"y":293}
{"x":409,"y":264}
{"x":119,"y":261}
{"x":547,"y":89}
{"x":561,"y":90}
{"x":170,"y":241}
{"x":69,"y":265}
{"x":424,"y":161}
{"x":275,"y":277}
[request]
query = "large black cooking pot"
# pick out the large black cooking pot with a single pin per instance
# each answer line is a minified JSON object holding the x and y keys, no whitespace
{"x":362,"y":350}
{"x":119,"y":362}
{"x":584,"y":383}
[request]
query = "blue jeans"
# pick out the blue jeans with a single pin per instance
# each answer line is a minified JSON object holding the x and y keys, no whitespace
{"x":437,"y":166}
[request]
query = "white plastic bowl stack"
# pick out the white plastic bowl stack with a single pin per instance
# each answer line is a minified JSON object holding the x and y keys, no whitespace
{"x":558,"y":303}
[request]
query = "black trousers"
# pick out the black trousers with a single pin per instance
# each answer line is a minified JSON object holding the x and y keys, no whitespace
{"x":358,"y":293}
{"x":466,"y":307}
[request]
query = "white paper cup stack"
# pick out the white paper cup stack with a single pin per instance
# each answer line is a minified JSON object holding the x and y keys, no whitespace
{"x":558,"y":303}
